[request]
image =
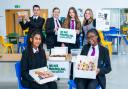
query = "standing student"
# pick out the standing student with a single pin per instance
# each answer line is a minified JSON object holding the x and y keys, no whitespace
{"x":33,"y":23}
{"x":32,"y":58}
{"x":72,"y":22}
{"x":94,"y":48}
{"x":88,"y":23}
{"x":52,"y":26}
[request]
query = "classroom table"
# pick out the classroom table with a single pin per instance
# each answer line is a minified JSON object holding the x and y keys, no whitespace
{"x":118,"y":36}
{"x":60,"y":67}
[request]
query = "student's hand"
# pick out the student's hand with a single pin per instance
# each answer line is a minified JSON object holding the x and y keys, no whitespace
{"x":77,"y":32}
{"x":56,"y":29}
{"x":97,"y":71}
{"x":62,"y":45}
{"x":26,"y":18}
{"x":19,"y":19}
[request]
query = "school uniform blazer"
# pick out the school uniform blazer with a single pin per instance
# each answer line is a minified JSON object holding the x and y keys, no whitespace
{"x":33,"y":24}
{"x":51,"y":37}
{"x":103,"y":63}
{"x":36,"y":60}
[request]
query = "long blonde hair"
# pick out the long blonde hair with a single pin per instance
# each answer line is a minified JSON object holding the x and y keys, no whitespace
{"x":91,"y":17}
{"x":66,"y":23}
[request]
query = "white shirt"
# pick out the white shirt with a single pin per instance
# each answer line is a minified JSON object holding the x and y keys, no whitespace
{"x":35,"y":50}
{"x":35,"y":17}
{"x":57,"y":22}
{"x":96,"y":51}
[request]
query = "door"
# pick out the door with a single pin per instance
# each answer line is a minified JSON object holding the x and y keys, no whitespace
{"x":12,"y":24}
{"x":44,"y":14}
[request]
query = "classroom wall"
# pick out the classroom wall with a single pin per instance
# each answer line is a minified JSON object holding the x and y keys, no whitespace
{"x":62,"y":4}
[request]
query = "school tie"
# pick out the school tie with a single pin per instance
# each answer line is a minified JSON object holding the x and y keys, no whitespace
{"x":72,"y":24}
{"x":57,"y":24}
{"x":93,"y":51}
{"x":34,"y":19}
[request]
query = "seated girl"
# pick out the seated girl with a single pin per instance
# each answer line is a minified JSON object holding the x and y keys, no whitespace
{"x":32,"y":58}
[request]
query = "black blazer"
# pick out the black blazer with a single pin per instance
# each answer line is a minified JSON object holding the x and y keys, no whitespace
{"x":28,"y":62}
{"x":103,"y":63}
{"x":51,"y":37}
{"x":33,"y":24}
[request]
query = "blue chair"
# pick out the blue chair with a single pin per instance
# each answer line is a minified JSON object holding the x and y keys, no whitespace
{"x":72,"y":85}
{"x":112,"y":30}
{"x":125,"y":40}
{"x":22,"y":45}
{"x":18,"y":74}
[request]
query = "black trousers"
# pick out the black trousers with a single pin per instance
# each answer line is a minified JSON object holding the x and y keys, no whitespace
{"x":50,"y":85}
{"x":86,"y":83}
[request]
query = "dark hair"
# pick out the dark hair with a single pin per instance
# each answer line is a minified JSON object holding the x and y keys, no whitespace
{"x":74,"y":10}
{"x":36,"y":6}
{"x":55,"y":8}
{"x":93,"y":30}
{"x":30,"y":47}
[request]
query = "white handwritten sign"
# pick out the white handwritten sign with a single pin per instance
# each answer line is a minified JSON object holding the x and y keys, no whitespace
{"x":66,"y":35}
{"x":85,"y":67}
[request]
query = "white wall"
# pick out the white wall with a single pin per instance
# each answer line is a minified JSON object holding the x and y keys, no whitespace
{"x":62,"y":4}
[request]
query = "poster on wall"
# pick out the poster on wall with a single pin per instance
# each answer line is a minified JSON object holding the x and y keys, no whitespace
{"x":80,"y":12}
{"x":85,"y":67}
{"x":103,"y":20}
{"x":66,"y":35}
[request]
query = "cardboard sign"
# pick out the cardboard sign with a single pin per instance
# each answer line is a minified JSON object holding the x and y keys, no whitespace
{"x":85,"y":67}
{"x":66,"y":35}
{"x":22,"y":13}
{"x":59,"y":51}
{"x":59,"y":68}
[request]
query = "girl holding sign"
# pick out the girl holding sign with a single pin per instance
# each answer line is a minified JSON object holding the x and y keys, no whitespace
{"x":32,"y":58}
{"x":72,"y":22}
{"x":94,"y":48}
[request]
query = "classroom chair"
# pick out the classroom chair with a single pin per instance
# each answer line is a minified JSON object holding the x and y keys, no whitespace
{"x":25,"y":32}
{"x":105,"y":43}
{"x":72,"y":85}
{"x":22,"y":46}
{"x":125,"y":40}
{"x":7,"y":46}
{"x":18,"y":75}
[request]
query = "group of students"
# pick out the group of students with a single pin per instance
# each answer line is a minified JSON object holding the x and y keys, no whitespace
{"x":34,"y":55}
{"x":71,"y":22}
{"x":53,"y":24}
